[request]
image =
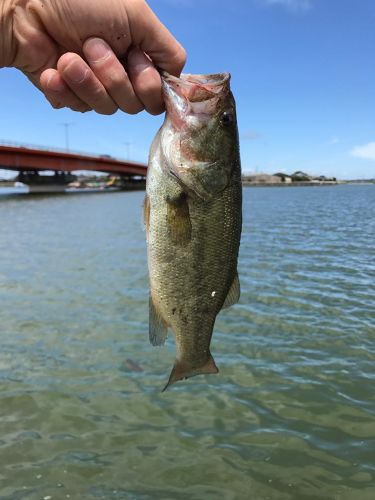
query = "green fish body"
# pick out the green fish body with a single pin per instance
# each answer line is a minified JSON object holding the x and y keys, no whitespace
{"x":193,"y":217}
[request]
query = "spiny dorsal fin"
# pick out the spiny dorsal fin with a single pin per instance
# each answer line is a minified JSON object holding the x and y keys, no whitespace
{"x":157,"y":327}
{"x":179,"y":223}
{"x":233,"y":294}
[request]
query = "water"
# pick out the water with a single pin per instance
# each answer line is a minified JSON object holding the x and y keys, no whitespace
{"x":291,"y":415}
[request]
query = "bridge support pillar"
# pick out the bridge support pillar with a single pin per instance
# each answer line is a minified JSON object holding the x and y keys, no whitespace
{"x":37,"y":183}
{"x":133,"y":182}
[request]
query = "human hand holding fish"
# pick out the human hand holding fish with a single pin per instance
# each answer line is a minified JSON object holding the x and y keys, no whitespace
{"x":87,"y":55}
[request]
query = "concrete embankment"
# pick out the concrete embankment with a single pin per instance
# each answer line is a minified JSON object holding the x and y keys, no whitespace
{"x":289,"y":184}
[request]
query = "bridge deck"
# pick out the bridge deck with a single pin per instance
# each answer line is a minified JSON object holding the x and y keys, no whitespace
{"x":23,"y":159}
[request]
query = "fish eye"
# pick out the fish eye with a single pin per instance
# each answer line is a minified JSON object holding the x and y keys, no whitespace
{"x":227,"y":118}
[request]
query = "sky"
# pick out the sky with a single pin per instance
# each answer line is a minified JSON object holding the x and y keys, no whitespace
{"x":303,"y":76}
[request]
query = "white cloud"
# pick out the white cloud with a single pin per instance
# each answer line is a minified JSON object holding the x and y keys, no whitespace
{"x":366,"y":151}
{"x":292,"y":5}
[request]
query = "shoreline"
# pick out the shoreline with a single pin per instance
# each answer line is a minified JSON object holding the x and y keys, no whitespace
{"x":304,"y":184}
{"x":9,"y":184}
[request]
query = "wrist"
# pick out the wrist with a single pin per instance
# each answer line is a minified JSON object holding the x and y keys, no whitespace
{"x":7,"y":43}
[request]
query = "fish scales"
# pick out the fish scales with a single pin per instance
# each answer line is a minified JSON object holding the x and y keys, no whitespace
{"x":193,"y":229}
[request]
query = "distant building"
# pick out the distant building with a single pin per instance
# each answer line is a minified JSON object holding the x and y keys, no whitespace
{"x":280,"y":178}
{"x":262,"y":179}
{"x":284,"y":177}
{"x":323,"y":178}
{"x":300,"y":176}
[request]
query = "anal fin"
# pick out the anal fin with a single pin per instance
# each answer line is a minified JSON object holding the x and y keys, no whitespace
{"x":233,"y":295}
{"x":158,"y":328}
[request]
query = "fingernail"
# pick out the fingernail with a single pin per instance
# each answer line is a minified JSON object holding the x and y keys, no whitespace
{"x":97,"y":50}
{"x":141,"y":66}
{"x":55,"y":84}
{"x":75,"y":72}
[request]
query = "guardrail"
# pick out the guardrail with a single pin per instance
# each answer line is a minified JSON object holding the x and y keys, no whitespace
{"x":36,"y":147}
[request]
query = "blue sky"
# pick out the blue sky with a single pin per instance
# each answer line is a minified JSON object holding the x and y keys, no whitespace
{"x":303,"y":76}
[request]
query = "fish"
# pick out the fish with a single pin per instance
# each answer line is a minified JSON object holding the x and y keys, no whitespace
{"x":193,"y":217}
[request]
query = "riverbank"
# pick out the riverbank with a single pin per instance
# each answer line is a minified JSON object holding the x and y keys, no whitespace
{"x":289,"y":184}
{"x":11,"y":185}
{"x":7,"y":183}
{"x":304,"y":184}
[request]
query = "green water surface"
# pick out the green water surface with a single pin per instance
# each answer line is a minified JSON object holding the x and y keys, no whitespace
{"x":291,"y":415}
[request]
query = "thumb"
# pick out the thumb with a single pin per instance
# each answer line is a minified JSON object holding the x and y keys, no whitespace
{"x":157,"y":42}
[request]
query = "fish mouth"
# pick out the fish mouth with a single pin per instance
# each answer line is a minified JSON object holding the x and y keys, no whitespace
{"x":195,"y":88}
{"x":211,"y":79}
{"x":194,"y":97}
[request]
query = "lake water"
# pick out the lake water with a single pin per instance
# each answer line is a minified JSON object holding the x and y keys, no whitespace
{"x":291,"y":415}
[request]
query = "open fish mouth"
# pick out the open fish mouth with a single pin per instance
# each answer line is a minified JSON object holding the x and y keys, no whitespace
{"x":195,"y":88}
{"x":196,"y":96}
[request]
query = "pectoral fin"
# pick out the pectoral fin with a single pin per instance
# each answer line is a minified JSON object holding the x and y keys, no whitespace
{"x":146,"y":212}
{"x":179,"y":223}
{"x":233,"y":294}
{"x":158,"y":328}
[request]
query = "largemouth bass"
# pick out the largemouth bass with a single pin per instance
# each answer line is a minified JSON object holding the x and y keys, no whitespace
{"x":193,"y":217}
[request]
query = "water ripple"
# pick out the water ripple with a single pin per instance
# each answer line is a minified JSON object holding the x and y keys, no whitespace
{"x":291,"y":414}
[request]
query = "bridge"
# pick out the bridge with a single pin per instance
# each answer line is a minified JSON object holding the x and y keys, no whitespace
{"x":29,"y":161}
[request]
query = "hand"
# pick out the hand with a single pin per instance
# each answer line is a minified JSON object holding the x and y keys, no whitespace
{"x":96,"y":55}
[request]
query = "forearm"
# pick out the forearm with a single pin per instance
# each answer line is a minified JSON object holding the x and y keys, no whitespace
{"x":7,"y":45}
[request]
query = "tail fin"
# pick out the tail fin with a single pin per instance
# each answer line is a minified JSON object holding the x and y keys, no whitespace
{"x":182,"y":370}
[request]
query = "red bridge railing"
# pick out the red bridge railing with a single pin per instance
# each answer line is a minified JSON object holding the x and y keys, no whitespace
{"x":21,"y":158}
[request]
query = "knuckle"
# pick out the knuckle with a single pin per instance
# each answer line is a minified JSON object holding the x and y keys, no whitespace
{"x":104,"y":107}
{"x":181,"y":57}
{"x":178,"y":59}
{"x":96,"y":95}
{"x":115,"y":80}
